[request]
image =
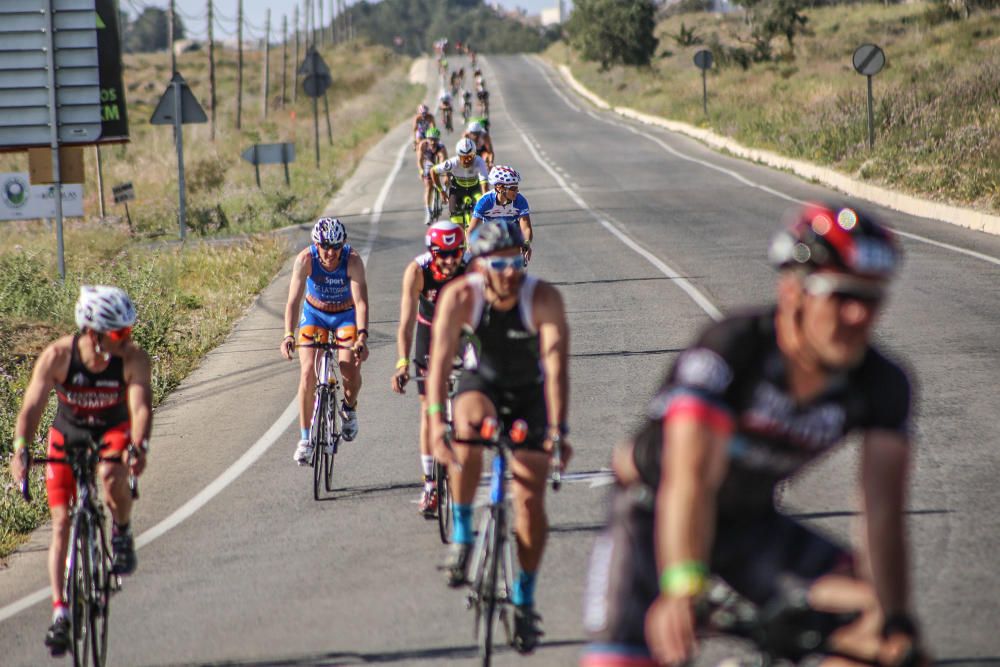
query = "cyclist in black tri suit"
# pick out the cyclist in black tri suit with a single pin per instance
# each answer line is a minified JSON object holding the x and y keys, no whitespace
{"x":757,"y":397}
{"x":102,"y":381}
{"x":423,"y":280}
{"x":522,"y":373}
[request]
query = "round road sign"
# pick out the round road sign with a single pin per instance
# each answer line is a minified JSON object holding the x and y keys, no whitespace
{"x":703,"y":59}
{"x":314,"y":85}
{"x":868,"y":59}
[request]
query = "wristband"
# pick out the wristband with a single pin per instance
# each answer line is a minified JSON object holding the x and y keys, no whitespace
{"x":684,"y":579}
{"x":289,"y":334}
{"x":363,"y":331}
{"x":20,"y":442}
{"x":899,"y":622}
{"x":143,"y":445}
{"x":402,"y":363}
{"x":434,"y":409}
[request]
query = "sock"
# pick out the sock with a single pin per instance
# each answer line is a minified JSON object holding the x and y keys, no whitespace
{"x":427,"y":465}
{"x":524,"y":589}
{"x":121,"y":529}
{"x":304,"y":433}
{"x":59,"y":610}
{"x":462,"y":531}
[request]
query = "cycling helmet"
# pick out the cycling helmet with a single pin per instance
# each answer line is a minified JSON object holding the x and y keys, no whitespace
{"x":445,"y":235}
{"x":422,"y":109}
{"x":475,"y":127}
{"x":492,"y":237}
{"x":329,"y":231}
{"x":501,"y":174}
{"x":838,"y":237}
{"x":445,"y":96}
{"x":465,"y":147}
{"x":433,"y":133}
{"x":102,"y":308}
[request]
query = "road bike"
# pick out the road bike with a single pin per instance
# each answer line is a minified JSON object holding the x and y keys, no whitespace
{"x":492,"y":564}
{"x":444,"y":516}
{"x":446,"y":113}
{"x":466,"y":110}
{"x":436,"y":205}
{"x":88,"y":578}
{"x":324,"y":429}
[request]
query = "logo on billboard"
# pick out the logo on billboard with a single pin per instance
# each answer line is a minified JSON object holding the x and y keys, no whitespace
{"x":16,"y":191}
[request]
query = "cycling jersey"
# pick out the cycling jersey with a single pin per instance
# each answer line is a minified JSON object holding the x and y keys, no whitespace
{"x":465,"y":177}
{"x":734,"y":378}
{"x":489,"y":209}
{"x":432,"y":286}
{"x":329,"y":291}
{"x":423,"y":122}
{"x":428,"y":153}
{"x":88,"y":399}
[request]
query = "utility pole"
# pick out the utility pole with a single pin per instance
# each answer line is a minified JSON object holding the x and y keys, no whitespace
{"x":284,"y":58}
{"x":239,"y":64}
{"x":333,"y":23}
{"x":267,"y":60}
{"x":309,"y":36}
{"x":322,"y":26}
{"x":350,"y":23}
{"x":341,"y":25}
{"x":170,"y":37}
{"x":295,"y":60}
{"x":211,"y":62}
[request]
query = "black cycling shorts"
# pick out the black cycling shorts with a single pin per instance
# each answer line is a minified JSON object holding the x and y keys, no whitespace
{"x":527,"y":403}
{"x":457,"y":193}
{"x":421,"y":354}
{"x":750,"y":553}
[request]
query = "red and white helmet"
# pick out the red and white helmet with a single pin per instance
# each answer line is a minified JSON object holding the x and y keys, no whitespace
{"x":444,"y":235}
{"x":501,"y":174}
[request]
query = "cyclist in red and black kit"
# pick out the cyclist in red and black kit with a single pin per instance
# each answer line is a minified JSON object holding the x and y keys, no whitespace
{"x":757,"y":397}
{"x":102,"y":380}
{"x":422,"y":282}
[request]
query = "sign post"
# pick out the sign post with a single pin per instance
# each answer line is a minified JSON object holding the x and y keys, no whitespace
{"x":317,"y":80}
{"x":259,"y":154}
{"x":869,"y":60}
{"x":176,"y":107}
{"x":124,"y":193}
{"x":703,"y":60}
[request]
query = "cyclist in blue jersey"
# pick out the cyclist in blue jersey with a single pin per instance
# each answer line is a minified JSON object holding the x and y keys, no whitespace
{"x":330,"y":275}
{"x":505,"y":203}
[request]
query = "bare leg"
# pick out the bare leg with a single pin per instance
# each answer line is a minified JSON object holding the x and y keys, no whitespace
{"x":531,"y":526}
{"x":307,"y":385}
{"x":57,"y":550}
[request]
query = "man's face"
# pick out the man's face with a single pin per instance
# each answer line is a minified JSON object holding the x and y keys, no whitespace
{"x":112,"y":342}
{"x":507,"y":193}
{"x":447,"y":261}
{"x":466,"y":160}
{"x":838,"y":315}
{"x":329,"y":254}
{"x":504,"y":270}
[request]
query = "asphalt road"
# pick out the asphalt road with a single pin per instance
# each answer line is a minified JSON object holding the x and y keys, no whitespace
{"x":648,"y":235}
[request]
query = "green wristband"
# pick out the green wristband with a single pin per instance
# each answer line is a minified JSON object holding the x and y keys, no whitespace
{"x":20,"y":442}
{"x":684,"y":579}
{"x":434,"y":409}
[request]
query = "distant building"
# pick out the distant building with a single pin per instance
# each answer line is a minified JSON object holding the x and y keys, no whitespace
{"x":554,"y":15}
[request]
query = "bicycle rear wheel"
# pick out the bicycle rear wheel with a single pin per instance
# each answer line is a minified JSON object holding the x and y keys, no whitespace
{"x":333,"y":437}
{"x":318,"y":437}
{"x":78,"y":584}
{"x":100,"y":604}
{"x":444,"y":502}
{"x":489,"y":592}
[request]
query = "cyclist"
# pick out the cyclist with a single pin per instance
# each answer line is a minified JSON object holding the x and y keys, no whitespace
{"x":331,"y":276}
{"x":757,"y":397}
{"x":504,"y":203}
{"x":423,"y":120}
{"x":444,"y":106}
{"x":466,"y":104}
{"x":522,"y":373}
{"x":482,"y":94}
{"x":430,"y":151}
{"x":467,"y":178}
{"x":478,"y":133}
{"x":422,"y":283}
{"x":102,"y":382}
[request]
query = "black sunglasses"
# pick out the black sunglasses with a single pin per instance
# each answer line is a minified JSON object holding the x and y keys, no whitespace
{"x":331,"y":246}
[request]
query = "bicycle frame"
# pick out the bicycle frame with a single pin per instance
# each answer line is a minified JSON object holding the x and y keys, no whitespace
{"x":324,"y":433}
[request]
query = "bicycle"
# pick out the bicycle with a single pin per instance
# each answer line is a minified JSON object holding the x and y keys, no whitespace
{"x":492,"y":563}
{"x":324,"y":428}
{"x":88,"y":579}
{"x":446,"y":112}
{"x":466,"y":110}
{"x":440,"y":470}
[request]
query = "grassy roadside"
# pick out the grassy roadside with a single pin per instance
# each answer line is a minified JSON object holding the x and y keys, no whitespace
{"x":937,"y":102}
{"x":188,"y":297}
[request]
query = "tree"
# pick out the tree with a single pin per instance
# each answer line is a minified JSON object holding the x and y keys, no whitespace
{"x":613,"y":31}
{"x":149,"y":31}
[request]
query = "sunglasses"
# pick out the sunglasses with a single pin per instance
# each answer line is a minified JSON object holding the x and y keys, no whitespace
{"x":510,"y":188}
{"x":501,"y":263}
{"x":118,"y":335}
{"x":844,"y":287}
{"x":331,"y":246}
{"x":457,"y":252}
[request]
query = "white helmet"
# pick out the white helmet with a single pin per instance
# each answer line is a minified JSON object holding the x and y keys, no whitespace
{"x":102,"y":308}
{"x":329,"y":231}
{"x":476,"y":127}
{"x":445,"y":96}
{"x":501,"y":174}
{"x":465,"y":146}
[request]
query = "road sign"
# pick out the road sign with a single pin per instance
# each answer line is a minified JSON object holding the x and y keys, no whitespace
{"x":703,"y":59}
{"x":868,"y":59}
{"x":114,"y":119}
{"x":123,"y":192}
{"x":259,"y":154}
{"x":313,"y":64}
{"x":314,"y":85}
{"x":191,"y":111}
{"x":24,"y":72}
{"x":19,"y":200}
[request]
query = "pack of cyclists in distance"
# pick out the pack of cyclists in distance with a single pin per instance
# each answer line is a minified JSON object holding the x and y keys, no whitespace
{"x":751,"y":401}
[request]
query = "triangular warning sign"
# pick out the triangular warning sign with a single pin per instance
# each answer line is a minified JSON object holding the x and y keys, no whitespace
{"x":191,"y":111}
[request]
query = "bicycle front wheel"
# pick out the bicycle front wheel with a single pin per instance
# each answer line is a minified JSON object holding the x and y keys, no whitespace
{"x":444,"y":502}
{"x":100,"y":602}
{"x":333,"y":440}
{"x":489,"y":593}
{"x":78,"y":585}
{"x":318,"y":436}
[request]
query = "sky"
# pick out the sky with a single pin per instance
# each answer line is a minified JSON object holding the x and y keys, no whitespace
{"x":193,"y":12}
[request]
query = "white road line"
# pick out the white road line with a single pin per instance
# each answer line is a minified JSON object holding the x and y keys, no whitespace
{"x":249,"y":457}
{"x":739,"y":177}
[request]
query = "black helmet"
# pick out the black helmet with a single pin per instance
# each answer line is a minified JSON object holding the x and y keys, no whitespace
{"x":491,"y":237}
{"x":839,"y":237}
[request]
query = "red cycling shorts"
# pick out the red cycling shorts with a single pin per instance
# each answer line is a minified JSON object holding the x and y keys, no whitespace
{"x":59,"y":479}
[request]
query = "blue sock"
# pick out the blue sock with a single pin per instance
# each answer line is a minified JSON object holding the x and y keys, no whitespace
{"x":524,"y":589}
{"x":304,"y":432}
{"x":462,"y":531}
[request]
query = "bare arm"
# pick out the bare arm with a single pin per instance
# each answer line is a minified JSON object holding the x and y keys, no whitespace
{"x":526,"y":230}
{"x":413,"y":282}
{"x":553,"y":337}
{"x":452,"y":311}
{"x":138,"y":378}
{"x":36,"y":396}
{"x":359,"y":290}
{"x":301,"y":270}
{"x":885,"y":459}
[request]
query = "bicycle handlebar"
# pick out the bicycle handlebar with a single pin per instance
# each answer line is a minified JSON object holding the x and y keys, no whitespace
{"x":491,"y":436}
{"x":133,"y":481}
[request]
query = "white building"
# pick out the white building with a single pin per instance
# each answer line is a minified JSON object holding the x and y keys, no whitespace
{"x":554,"y":15}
